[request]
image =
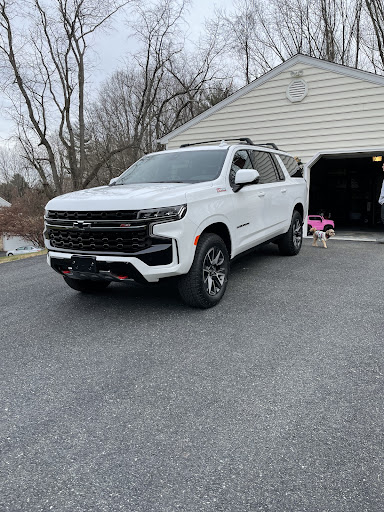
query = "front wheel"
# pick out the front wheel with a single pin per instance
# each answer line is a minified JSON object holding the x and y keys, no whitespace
{"x":290,"y":243}
{"x":204,"y":285}
{"x":86,"y":285}
{"x":10,"y":254}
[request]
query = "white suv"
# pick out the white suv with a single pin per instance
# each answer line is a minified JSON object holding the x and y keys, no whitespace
{"x":180,"y":213}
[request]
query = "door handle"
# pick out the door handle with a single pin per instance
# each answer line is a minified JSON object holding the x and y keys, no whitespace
{"x":284,"y":191}
{"x":261,"y":194}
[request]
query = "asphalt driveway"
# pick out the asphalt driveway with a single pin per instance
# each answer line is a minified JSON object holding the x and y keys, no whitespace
{"x":128,"y":400}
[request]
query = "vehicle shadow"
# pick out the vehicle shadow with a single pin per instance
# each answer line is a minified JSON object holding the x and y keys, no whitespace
{"x":163,"y":295}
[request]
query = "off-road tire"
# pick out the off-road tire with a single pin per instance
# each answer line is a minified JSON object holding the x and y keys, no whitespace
{"x":205,"y":284}
{"x":290,"y":243}
{"x":86,"y":285}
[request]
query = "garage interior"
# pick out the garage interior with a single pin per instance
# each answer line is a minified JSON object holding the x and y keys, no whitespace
{"x":346,"y":188}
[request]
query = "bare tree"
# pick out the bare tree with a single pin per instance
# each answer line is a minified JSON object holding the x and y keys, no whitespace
{"x":375,"y":39}
{"x":46,"y":80}
{"x":263,"y":34}
{"x":163,"y":86}
{"x":240,"y":29}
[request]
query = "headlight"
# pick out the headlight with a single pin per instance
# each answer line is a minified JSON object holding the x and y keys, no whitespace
{"x":168,"y":213}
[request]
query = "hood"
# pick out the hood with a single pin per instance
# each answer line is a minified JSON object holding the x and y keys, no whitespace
{"x":125,"y":197}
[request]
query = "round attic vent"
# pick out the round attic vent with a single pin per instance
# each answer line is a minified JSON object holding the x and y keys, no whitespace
{"x":297,"y":90}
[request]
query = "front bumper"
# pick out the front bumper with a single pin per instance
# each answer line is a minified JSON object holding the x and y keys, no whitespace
{"x":117,"y":268}
{"x":172,"y":255}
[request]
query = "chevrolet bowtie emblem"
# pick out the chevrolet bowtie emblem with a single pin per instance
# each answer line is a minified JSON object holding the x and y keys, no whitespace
{"x":80,"y":224}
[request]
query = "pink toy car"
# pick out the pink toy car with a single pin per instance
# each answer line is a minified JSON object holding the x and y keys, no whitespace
{"x":319,"y":223}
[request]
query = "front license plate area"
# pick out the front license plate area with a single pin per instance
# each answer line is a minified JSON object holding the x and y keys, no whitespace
{"x":83,"y":264}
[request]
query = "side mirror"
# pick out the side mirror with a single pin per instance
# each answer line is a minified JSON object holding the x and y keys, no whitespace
{"x":246,"y":176}
{"x":113,"y":180}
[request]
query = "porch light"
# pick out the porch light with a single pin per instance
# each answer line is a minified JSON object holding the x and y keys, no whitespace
{"x":377,"y":158}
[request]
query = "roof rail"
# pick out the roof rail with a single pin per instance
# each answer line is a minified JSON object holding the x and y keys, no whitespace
{"x":246,"y":140}
{"x":271,"y":144}
{"x":242,"y":139}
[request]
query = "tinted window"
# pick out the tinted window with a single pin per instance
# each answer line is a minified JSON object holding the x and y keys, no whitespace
{"x":241,"y":160}
{"x":264,"y":164}
{"x":183,"y":166}
{"x":278,"y":168}
{"x":292,"y":166}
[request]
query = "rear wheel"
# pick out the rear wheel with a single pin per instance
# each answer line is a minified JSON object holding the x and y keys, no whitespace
{"x":10,"y":254}
{"x":86,"y":285}
{"x":290,"y":243}
{"x":327,"y":226}
{"x":205,"y":284}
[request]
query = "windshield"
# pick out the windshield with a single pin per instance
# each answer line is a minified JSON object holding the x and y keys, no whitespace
{"x":178,"y":167}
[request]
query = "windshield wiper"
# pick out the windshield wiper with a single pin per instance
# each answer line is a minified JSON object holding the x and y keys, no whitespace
{"x":144,"y":182}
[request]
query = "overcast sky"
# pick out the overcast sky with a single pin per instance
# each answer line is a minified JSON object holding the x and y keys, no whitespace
{"x":112,"y":46}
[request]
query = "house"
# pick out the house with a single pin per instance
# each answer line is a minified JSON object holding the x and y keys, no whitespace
{"x":328,"y":115}
{"x":9,"y":243}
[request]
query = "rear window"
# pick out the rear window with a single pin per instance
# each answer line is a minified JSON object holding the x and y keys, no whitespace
{"x":295,"y":170}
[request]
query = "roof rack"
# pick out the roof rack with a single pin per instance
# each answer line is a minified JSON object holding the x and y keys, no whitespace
{"x":272,"y":144}
{"x":241,"y":139}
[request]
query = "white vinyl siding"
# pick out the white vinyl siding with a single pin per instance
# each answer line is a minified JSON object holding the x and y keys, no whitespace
{"x":339,"y":112}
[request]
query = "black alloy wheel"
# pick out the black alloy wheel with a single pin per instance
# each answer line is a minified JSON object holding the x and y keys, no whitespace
{"x":205,"y":284}
{"x":290,"y":243}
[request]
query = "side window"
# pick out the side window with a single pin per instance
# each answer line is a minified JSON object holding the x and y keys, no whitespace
{"x":292,"y":166}
{"x":278,"y":168}
{"x":266,"y":167}
{"x":241,"y":160}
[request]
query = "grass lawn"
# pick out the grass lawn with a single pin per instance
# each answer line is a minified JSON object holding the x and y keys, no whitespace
{"x":4,"y":259}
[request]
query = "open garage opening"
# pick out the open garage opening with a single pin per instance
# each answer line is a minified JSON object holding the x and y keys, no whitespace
{"x":346,"y":188}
